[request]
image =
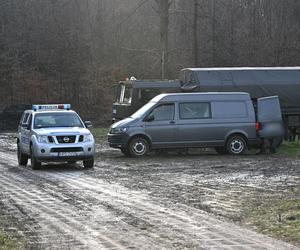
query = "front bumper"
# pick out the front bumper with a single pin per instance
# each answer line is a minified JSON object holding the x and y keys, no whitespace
{"x":118,"y":140}
{"x":64,"y":152}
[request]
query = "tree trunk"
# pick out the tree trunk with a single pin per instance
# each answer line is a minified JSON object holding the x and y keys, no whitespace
{"x":163,"y":8}
{"x":195,"y":33}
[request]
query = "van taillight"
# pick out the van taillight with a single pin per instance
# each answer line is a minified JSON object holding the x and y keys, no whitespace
{"x":257,"y":126}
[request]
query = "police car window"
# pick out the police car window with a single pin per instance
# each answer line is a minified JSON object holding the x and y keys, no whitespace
{"x":48,"y":120}
{"x":194,"y":110}
{"x":29,"y":121}
{"x":25,"y":117}
{"x":163,"y":112}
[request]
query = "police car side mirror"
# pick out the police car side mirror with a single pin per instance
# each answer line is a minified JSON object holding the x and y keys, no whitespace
{"x":149,"y":118}
{"x":25,"y":126}
{"x":88,"y":124}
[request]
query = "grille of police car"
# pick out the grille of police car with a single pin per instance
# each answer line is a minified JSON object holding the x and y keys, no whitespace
{"x":66,"y":139}
{"x":75,"y":149}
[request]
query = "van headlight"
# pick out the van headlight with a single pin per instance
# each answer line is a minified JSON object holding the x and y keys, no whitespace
{"x":88,"y":138}
{"x":42,"y":139}
{"x":118,"y":130}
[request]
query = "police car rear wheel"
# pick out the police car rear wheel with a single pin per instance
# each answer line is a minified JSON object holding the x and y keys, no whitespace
{"x":35,"y":164}
{"x":22,"y":158}
{"x":138,"y":147}
{"x":88,"y":163}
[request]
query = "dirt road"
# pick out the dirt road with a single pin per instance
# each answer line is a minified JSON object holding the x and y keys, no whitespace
{"x":166,"y":202}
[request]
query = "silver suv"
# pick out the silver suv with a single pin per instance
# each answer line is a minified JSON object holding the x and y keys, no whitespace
{"x":54,"y":133}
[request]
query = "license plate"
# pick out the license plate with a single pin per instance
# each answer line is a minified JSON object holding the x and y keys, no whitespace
{"x":67,"y":154}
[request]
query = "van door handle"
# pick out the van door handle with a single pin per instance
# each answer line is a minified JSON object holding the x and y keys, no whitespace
{"x":172,"y":122}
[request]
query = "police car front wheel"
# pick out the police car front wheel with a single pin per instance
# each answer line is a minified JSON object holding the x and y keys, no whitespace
{"x":35,"y":164}
{"x":88,"y":163}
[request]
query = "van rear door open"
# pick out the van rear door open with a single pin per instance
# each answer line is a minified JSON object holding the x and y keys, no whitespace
{"x":269,"y":117}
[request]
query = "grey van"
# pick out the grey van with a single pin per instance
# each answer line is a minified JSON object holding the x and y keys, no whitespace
{"x":229,"y":122}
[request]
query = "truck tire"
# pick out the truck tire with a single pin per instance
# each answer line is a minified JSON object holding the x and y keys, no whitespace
{"x":138,"y":147}
{"x":22,"y":158}
{"x":35,"y":164}
{"x":236,"y":145}
{"x":88,"y":163}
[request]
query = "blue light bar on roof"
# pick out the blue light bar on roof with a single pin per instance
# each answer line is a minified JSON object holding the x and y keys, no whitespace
{"x":51,"y":107}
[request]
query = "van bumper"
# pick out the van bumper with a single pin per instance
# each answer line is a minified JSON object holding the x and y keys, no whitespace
{"x":118,"y":140}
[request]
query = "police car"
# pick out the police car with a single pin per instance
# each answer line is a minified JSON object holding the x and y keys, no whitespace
{"x":54,"y":133}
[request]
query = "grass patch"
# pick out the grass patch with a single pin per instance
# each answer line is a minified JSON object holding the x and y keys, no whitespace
{"x":6,"y":243}
{"x":280,"y":219}
{"x":290,"y":148}
{"x":100,"y":133}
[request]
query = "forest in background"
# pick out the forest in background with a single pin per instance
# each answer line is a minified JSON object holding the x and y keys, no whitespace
{"x":74,"y":51}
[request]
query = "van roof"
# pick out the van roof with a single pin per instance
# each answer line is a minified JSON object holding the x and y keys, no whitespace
{"x":208,"y":96}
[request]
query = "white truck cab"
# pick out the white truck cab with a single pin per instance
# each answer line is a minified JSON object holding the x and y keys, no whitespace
{"x":54,"y":133}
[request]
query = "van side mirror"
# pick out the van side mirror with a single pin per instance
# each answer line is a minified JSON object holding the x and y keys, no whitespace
{"x":88,"y":124}
{"x":149,"y":118}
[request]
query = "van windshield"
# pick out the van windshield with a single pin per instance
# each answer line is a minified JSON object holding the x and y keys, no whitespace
{"x":143,"y":110}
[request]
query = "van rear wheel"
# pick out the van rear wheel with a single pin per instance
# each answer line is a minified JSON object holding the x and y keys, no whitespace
{"x":138,"y":147}
{"x":236,"y":145}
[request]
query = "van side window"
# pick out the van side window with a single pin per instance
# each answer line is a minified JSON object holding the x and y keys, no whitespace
{"x":164,"y":112}
{"x":194,"y":110}
{"x":236,"y":109}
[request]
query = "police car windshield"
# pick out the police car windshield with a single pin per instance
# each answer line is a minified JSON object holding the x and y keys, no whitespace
{"x":51,"y":120}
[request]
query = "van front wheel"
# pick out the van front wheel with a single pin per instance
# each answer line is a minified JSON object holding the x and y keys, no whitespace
{"x":236,"y":145}
{"x":138,"y":147}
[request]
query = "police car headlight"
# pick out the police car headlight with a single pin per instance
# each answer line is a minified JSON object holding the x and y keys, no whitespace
{"x":88,"y":138}
{"x":42,"y":139}
{"x":118,"y":130}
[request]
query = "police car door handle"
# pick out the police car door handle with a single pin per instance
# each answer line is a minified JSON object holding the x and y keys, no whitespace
{"x":172,"y":122}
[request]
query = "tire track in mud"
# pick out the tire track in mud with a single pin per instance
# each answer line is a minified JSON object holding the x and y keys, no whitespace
{"x":137,"y":245}
{"x":181,"y":227}
{"x":51,"y":212}
{"x":221,"y":192}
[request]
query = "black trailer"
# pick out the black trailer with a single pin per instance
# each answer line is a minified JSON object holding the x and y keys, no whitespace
{"x":133,"y":94}
{"x":258,"y":82}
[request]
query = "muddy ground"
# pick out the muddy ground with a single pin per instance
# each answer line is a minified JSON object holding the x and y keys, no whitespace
{"x":195,"y":201}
